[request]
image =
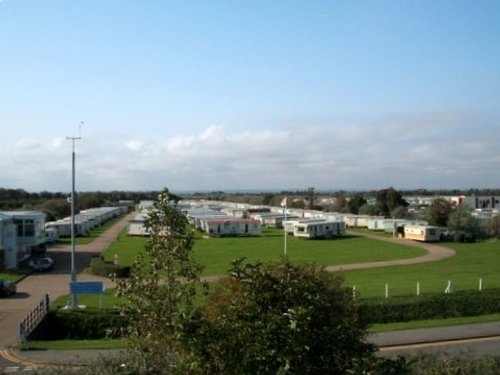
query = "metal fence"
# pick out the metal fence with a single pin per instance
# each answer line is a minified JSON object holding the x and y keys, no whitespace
{"x":32,"y":320}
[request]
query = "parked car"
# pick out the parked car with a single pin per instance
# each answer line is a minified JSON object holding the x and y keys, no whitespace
{"x":42,"y":264}
{"x":7,"y":288}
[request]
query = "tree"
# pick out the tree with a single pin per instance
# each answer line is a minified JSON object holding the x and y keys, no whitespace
{"x":439,"y":211}
{"x":388,"y":200}
{"x":368,"y":209}
{"x":340,"y":202}
{"x":401,"y":212}
{"x":461,"y":218}
{"x":160,"y":290}
{"x":310,"y":196}
{"x":355,"y":203}
{"x":268,"y":199}
{"x":493,"y":227}
{"x":276,"y":319}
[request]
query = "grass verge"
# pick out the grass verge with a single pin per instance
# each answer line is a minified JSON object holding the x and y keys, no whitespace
{"x":434,"y":323}
{"x":76,"y":344}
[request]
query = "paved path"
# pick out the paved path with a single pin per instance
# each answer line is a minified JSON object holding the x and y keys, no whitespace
{"x":56,"y":283}
{"x":434,"y":253}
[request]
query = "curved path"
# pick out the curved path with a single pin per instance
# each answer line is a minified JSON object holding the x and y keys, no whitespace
{"x":434,"y":253}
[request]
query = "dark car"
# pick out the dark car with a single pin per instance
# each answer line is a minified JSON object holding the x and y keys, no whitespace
{"x":7,"y":288}
{"x":42,"y":264}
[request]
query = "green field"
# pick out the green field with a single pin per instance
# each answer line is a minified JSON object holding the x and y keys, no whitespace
{"x":216,"y":254}
{"x":472,"y":261}
{"x":107,"y":300}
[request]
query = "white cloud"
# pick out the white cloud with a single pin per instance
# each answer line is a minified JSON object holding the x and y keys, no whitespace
{"x":443,"y":152}
{"x":135,"y":145}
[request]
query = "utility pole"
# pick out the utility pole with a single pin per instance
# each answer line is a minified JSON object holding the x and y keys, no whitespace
{"x":73,"y":301}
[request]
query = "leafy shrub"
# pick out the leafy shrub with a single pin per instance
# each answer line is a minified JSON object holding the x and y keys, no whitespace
{"x":101,"y":268}
{"x":470,"y":237}
{"x":459,"y":237}
{"x":80,"y":325}
{"x":435,"y":306}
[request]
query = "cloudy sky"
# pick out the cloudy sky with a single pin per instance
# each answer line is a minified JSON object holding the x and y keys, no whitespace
{"x":274,"y":94}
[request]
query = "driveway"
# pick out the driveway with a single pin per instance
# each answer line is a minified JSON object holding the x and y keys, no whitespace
{"x":56,"y":282}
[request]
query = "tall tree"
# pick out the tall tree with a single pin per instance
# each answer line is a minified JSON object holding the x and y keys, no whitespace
{"x":388,"y":200}
{"x":340,"y":201}
{"x":439,"y":212}
{"x":355,"y":202}
{"x":159,"y":293}
{"x":311,"y":196}
{"x":461,"y":219}
{"x":493,"y":227}
{"x":268,"y":199}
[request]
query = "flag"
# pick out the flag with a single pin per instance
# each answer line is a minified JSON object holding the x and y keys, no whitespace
{"x":284,"y":202}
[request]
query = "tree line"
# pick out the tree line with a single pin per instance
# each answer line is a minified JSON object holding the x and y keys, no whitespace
{"x":56,"y":204}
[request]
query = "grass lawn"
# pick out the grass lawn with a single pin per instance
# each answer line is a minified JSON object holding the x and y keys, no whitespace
{"x":378,"y":328}
{"x":76,"y":344}
{"x":472,"y":261}
{"x":91,"y":301}
{"x":216,"y":254}
{"x":12,"y":276}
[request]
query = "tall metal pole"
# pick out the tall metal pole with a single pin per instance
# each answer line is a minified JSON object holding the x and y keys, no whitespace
{"x":73,"y":301}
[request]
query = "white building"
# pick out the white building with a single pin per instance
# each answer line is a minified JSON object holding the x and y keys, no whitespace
{"x":8,"y":252}
{"x":319,"y":229}
{"x":23,"y":231}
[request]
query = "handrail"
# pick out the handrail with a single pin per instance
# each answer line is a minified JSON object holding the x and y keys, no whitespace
{"x":26,"y":326}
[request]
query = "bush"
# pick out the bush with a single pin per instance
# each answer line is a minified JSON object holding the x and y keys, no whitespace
{"x":80,"y":325}
{"x":459,"y":237}
{"x":469,"y":237}
{"x":101,"y":268}
{"x":435,"y":306}
{"x":276,"y":319}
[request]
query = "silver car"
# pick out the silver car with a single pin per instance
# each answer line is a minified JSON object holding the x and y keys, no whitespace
{"x":42,"y":264}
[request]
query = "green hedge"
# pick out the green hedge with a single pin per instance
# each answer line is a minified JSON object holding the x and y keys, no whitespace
{"x":80,"y":325}
{"x":434,"y":306}
{"x":101,"y":268}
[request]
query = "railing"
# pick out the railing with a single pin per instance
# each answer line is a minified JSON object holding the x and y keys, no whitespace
{"x":32,"y":320}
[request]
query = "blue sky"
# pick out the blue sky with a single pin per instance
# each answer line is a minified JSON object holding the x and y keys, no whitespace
{"x":202,"y":95}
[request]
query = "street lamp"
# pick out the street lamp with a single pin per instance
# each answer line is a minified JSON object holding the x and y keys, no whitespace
{"x":73,"y":302}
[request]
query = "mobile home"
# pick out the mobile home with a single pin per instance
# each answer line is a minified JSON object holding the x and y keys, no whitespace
{"x":233,"y":227}
{"x":424,"y":233}
{"x":319,"y":229}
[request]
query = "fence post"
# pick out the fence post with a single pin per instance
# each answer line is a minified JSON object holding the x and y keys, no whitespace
{"x":354,"y":292}
{"x":480,"y":284}
{"x":418,"y":288}
{"x":449,"y":288}
{"x":386,"y":290}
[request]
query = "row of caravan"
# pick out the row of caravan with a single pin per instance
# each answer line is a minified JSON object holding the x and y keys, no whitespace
{"x":85,"y":221}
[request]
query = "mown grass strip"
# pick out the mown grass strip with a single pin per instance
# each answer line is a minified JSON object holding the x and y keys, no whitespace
{"x":76,"y":344}
{"x":434,"y":323}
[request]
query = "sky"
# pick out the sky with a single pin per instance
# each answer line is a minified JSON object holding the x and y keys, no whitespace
{"x":260,"y":95}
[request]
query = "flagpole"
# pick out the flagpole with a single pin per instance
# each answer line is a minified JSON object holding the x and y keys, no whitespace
{"x":284,"y":229}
